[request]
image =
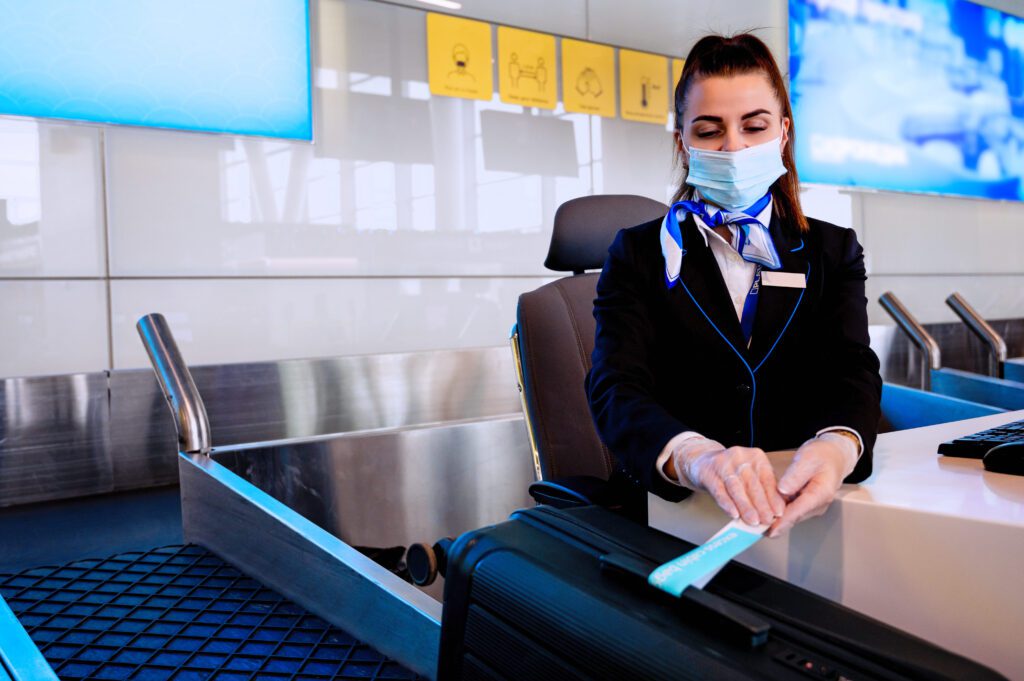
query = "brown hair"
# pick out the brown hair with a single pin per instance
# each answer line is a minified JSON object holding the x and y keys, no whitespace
{"x":717,"y":55}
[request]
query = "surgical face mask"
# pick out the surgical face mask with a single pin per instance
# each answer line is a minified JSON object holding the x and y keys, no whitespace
{"x":735,"y":180}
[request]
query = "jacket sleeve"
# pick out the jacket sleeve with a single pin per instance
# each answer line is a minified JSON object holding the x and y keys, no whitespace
{"x":854,"y":391}
{"x":620,"y":385}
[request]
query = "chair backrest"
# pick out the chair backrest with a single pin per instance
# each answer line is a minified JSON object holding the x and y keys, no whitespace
{"x":554,"y":335}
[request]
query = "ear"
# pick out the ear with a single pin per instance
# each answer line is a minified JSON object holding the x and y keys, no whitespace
{"x":785,"y":133}
{"x":677,"y":138}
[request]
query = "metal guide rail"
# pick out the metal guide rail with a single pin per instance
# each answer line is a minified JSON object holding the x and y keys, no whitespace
{"x":990,"y":390}
{"x":298,"y":514}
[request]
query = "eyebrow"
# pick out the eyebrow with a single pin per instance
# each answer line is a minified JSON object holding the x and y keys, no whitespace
{"x":718,"y":119}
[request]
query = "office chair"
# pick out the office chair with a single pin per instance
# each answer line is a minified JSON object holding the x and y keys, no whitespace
{"x":551,"y":345}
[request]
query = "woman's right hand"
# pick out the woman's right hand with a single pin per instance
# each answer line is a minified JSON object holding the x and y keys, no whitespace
{"x":740,"y":479}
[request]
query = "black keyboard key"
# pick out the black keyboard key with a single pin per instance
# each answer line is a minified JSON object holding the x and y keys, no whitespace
{"x":976,"y":445}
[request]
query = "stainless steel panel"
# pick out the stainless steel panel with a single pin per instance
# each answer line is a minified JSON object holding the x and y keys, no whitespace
{"x":67,"y":436}
{"x":54,"y":438}
{"x":396,"y":487}
{"x":20,"y":659}
{"x":286,"y":552}
{"x":960,"y":349}
{"x":265,"y":401}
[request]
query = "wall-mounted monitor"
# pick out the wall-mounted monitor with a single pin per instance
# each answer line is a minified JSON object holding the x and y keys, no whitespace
{"x":225,"y":66}
{"x":916,"y":96}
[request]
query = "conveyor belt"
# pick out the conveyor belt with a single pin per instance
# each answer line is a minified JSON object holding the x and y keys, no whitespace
{"x":179,"y":612}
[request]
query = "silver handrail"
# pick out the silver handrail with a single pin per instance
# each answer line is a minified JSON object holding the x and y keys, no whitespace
{"x":983,"y":330}
{"x":190,"y":419}
{"x":931,"y":356}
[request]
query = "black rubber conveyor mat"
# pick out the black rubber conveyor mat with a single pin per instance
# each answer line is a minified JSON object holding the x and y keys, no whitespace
{"x":179,"y":612}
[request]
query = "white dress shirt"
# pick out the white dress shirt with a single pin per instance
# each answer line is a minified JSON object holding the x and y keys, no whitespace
{"x":739,"y":277}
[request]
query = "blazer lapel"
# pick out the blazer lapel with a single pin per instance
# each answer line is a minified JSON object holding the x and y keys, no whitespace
{"x":777,"y":305}
{"x":701,"y":279}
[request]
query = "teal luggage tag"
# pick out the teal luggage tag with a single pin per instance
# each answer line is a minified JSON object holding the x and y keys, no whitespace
{"x":697,"y":567}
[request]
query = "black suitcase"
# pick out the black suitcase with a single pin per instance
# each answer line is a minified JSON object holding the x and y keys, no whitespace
{"x":562,"y":594}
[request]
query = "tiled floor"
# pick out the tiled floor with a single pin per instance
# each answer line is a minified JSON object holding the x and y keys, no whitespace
{"x":179,"y":612}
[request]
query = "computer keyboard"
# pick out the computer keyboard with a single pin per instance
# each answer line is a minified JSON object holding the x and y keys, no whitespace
{"x":977,"y":445}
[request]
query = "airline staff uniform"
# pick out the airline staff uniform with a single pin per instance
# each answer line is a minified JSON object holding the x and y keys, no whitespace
{"x":672,"y":358}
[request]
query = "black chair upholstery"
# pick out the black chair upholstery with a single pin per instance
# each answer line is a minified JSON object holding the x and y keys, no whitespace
{"x":585,"y":227}
{"x":554,"y":338}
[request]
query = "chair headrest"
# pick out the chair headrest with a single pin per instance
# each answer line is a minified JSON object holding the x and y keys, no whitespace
{"x":585,"y":228}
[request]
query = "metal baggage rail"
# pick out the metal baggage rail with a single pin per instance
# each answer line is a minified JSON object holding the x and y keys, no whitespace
{"x":289,"y":512}
{"x":996,"y":392}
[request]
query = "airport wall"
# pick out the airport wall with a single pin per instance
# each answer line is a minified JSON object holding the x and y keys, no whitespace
{"x":413,"y":222}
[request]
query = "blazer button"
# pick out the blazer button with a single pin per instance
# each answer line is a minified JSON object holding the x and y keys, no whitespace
{"x":743,"y":389}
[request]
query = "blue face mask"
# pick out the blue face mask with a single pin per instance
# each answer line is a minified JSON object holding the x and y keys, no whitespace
{"x":736,"y":179}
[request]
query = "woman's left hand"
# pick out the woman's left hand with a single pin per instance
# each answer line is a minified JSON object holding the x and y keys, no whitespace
{"x":811,"y":481}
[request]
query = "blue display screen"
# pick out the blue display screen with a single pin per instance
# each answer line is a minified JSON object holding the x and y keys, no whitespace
{"x":230,"y":66}
{"x":915,"y":95}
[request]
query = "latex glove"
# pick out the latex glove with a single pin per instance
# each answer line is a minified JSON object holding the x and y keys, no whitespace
{"x":812,"y":480}
{"x":740,"y":479}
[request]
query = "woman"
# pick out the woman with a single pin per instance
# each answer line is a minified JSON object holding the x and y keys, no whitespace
{"x":735,"y":324}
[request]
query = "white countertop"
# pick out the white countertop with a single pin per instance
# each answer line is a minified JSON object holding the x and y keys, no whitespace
{"x":930,"y":544}
{"x":908,"y":474}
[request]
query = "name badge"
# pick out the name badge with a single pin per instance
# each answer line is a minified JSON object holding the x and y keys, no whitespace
{"x":784,"y":279}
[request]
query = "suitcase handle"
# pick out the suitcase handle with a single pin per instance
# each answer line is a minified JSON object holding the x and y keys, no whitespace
{"x":730,"y":621}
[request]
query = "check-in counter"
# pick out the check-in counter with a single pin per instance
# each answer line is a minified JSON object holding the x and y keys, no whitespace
{"x":930,"y":544}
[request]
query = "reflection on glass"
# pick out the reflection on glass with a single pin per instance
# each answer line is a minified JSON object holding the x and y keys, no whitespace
{"x":278,"y":182}
{"x":20,"y":204}
{"x":396,"y":182}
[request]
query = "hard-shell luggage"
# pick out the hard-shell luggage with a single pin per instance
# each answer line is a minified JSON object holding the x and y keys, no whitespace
{"x":562,"y":594}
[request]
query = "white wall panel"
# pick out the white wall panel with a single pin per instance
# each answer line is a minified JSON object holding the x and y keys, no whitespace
{"x":435,"y":212}
{"x":994,"y":297}
{"x":633,"y":158}
{"x":914,"y":234}
{"x":238,"y":320}
{"x":565,"y":17}
{"x":672,"y":26}
{"x":52,"y":327}
{"x":51,"y":199}
{"x":827,"y":203}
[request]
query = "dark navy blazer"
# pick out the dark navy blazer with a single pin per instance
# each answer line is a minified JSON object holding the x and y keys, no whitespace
{"x":668,"y":360}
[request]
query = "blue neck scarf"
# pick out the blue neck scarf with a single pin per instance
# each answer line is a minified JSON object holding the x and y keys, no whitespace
{"x":751,"y":239}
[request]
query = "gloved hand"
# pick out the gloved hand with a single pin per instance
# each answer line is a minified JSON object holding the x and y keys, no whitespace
{"x":813,"y":478}
{"x":740,"y":479}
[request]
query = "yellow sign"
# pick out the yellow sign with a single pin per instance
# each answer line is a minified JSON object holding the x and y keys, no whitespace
{"x":526,"y":68}
{"x":459,"y":57}
{"x":588,"y":78}
{"x":643,"y":88}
